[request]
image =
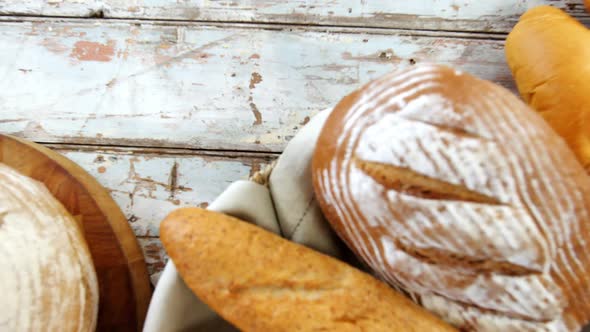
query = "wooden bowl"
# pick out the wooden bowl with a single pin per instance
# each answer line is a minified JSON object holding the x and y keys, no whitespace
{"x":125,"y":289}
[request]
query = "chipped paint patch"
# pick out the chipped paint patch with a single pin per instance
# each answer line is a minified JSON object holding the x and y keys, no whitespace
{"x":192,"y":97}
{"x":255,"y":79}
{"x":257,"y":114}
{"x":379,"y":56}
{"x":148,"y":187}
{"x":92,"y":51}
{"x":154,"y":253}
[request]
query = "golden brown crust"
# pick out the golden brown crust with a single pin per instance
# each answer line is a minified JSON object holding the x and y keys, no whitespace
{"x":261,"y":282}
{"x":463,"y":197}
{"x":548,"y":53}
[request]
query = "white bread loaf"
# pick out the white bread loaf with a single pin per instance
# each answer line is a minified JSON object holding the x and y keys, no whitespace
{"x":47,"y":279}
{"x":452,"y":189}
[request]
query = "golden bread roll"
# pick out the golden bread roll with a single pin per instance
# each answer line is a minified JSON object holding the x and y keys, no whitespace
{"x":259,"y":281}
{"x":48,"y":282}
{"x":450,"y":188}
{"x":587,"y":4}
{"x":549,"y":55}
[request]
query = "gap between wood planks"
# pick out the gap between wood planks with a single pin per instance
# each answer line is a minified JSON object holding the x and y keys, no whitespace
{"x":474,"y":35}
{"x":161,"y":151}
{"x":159,"y":186}
{"x":99,"y":14}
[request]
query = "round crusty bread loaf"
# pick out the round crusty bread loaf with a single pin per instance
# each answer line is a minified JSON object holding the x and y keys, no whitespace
{"x":452,"y":189}
{"x":548,"y":52}
{"x":48,"y":282}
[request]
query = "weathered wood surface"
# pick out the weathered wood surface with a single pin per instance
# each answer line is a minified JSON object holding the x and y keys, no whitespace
{"x":155,"y":256}
{"x":149,"y":184}
{"x":457,"y":15}
{"x":230,"y":87}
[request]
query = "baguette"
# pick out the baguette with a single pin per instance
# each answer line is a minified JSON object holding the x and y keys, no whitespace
{"x":261,"y":282}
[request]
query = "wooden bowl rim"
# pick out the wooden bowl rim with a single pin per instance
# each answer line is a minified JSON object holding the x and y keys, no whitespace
{"x":117,"y":221}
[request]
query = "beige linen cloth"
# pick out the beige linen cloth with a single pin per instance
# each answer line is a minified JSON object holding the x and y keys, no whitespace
{"x":285,"y":205}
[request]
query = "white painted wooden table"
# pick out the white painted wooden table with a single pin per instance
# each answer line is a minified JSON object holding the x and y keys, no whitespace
{"x":167,"y":102}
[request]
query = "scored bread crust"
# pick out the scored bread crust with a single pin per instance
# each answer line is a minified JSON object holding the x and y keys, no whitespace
{"x":259,"y":281}
{"x":450,"y":188}
{"x":48,"y":281}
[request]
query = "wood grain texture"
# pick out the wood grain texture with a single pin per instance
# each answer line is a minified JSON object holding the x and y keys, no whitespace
{"x":120,"y":267}
{"x":155,"y":256}
{"x":230,"y":87}
{"x":149,"y":184}
{"x":142,"y":184}
{"x":463,"y":15}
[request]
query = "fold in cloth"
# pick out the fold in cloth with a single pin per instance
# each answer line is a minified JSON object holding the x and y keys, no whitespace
{"x":288,"y":209}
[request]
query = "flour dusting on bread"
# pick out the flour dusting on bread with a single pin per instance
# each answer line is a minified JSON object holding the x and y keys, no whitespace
{"x":450,"y":188}
{"x":48,"y":279}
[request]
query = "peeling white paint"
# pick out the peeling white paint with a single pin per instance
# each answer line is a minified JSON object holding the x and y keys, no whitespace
{"x":141,"y":184}
{"x":155,"y":256}
{"x":461,"y":15}
{"x":148,"y":85}
{"x":81,"y":8}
